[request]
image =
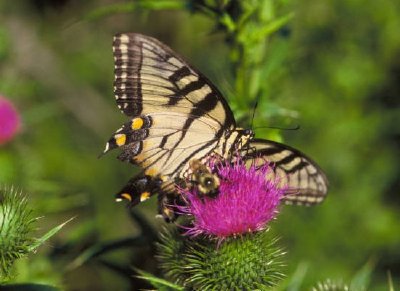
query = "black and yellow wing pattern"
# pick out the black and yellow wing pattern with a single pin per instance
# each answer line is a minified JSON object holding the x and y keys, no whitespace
{"x":303,"y":179}
{"x":177,"y":115}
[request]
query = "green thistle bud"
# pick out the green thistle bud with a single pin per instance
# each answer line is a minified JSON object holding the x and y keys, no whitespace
{"x":16,"y":225}
{"x":248,"y":262}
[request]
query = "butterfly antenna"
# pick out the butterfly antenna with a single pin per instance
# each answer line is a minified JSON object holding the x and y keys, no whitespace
{"x":296,"y":127}
{"x":254,"y":113}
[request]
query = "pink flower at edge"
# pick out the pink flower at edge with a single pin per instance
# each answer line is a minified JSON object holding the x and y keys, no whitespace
{"x":9,"y":120}
{"x":246,"y":202}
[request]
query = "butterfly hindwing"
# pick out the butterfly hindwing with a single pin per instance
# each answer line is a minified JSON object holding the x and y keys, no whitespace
{"x":303,"y":179}
{"x":138,"y":189}
{"x":142,"y":187}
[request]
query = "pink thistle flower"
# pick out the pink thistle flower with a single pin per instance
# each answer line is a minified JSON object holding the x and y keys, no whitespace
{"x":9,"y":120}
{"x":246,"y":202}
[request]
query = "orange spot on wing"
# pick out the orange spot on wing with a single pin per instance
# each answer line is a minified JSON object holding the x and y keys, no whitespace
{"x":126,"y":196}
{"x":137,"y":123}
{"x":144,"y":196}
{"x":151,"y":172}
{"x":120,"y":139}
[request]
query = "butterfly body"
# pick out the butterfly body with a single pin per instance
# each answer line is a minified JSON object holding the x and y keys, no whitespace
{"x":178,"y":116}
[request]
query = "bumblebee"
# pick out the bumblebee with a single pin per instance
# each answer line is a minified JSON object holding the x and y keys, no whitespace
{"x":203,"y":179}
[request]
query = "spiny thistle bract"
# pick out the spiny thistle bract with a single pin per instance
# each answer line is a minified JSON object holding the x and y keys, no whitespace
{"x":16,"y":226}
{"x":248,"y":262}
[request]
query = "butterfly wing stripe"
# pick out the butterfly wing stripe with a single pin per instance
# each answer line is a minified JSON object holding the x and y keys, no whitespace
{"x":298,"y":167}
{"x":139,"y":57}
{"x":286,"y":160}
{"x":200,"y":111}
{"x":163,"y":125}
{"x":191,"y":87}
{"x":179,"y":74}
{"x":199,"y":153}
{"x":171,"y":166}
{"x":165,"y":155}
{"x":306,"y":182}
{"x":183,"y":135}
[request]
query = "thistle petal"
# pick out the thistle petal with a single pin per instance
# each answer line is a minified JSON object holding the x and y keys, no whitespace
{"x":9,"y":120}
{"x":246,"y":202}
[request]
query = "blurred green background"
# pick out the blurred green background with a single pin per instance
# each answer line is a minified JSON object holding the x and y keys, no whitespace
{"x":334,"y":69}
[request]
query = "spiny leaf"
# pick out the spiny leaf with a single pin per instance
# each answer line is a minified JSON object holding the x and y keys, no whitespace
{"x":38,"y":242}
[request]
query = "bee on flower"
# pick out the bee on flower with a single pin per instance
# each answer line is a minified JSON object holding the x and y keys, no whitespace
{"x":246,"y":200}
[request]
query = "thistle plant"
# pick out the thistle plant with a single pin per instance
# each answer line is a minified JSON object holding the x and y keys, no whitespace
{"x":16,"y":227}
{"x":226,"y":244}
{"x":245,"y":262}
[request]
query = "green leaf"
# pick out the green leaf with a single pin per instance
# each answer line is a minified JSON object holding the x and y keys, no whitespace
{"x":228,"y":22}
{"x":297,"y":278}
{"x":38,"y":242}
{"x":275,"y":25}
{"x":157,"y":282}
{"x":390,"y":281}
{"x":362,"y":278}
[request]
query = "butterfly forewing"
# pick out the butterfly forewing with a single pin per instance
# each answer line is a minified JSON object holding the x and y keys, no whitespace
{"x":304,"y":181}
{"x":150,"y":77}
{"x":177,"y":113}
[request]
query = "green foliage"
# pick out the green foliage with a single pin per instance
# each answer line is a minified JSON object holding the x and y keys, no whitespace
{"x":250,"y":28}
{"x":247,"y":262}
{"x":332,"y":67}
{"x":130,"y":7}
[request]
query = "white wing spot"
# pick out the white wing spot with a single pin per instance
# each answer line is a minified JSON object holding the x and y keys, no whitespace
{"x":124,"y":38}
{"x":123,"y":48}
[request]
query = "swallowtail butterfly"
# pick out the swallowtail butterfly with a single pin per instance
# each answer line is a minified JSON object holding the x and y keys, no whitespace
{"x":176,"y":115}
